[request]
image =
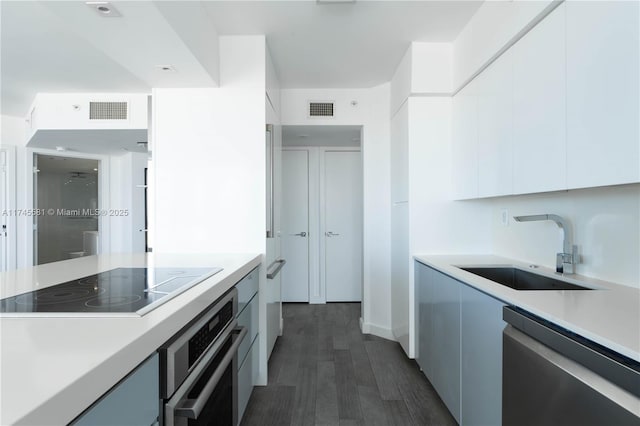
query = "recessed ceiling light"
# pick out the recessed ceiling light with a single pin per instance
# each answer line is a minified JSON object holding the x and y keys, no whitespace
{"x":61,"y":148}
{"x":166,"y":68}
{"x":104,"y":9}
{"x":95,"y":169}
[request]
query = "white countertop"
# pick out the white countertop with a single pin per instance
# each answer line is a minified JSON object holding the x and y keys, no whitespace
{"x":609,"y":315}
{"x":53,"y":368}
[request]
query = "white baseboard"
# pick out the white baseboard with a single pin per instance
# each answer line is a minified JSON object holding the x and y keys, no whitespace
{"x":376,"y":330}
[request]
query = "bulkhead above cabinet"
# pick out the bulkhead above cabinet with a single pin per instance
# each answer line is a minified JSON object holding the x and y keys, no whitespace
{"x":97,"y":123}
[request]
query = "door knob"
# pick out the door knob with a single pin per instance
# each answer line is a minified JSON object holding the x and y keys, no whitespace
{"x":300,"y":234}
{"x":330,"y":234}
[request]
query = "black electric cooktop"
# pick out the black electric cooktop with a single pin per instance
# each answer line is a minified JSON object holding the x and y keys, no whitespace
{"x":121,"y":290}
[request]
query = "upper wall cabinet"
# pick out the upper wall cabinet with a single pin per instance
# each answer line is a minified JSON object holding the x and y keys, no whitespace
{"x":603,"y":93}
{"x":539,"y":153}
{"x":465,"y":142}
{"x":495,"y":128}
{"x":558,"y":110}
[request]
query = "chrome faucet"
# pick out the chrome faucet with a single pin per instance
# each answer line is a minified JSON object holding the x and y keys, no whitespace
{"x":567,"y":260}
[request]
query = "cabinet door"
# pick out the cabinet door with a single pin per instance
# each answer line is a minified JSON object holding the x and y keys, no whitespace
{"x":426,"y":345}
{"x":481,"y":364}
{"x":495,"y":128}
{"x":134,"y":401}
{"x":539,"y":149}
{"x":445,"y":334}
{"x":603,"y":93}
{"x":465,"y":143}
{"x":247,"y":375}
{"x":400,"y":155}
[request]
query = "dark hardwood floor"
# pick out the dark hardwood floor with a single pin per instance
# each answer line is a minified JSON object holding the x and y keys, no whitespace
{"x":323,"y":371}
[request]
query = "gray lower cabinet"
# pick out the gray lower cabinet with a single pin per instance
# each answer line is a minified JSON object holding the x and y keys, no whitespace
{"x":424,"y":295}
{"x":248,"y":350}
{"x":445,"y":335}
{"x":460,"y":346}
{"x":132,"y":402}
{"x":481,"y":328}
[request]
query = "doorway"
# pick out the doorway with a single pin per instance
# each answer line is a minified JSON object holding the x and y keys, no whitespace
{"x":322,"y":216}
{"x":66,"y":198}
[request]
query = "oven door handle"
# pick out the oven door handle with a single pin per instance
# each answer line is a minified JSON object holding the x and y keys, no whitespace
{"x":191,"y":408}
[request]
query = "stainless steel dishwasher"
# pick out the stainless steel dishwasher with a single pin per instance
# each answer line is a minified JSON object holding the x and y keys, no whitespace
{"x":553,"y":377}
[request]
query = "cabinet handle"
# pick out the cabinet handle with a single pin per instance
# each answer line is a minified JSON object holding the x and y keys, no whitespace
{"x":278,"y":265}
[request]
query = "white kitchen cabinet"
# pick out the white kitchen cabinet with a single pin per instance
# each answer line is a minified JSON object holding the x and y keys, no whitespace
{"x":495,"y":128}
{"x":603,"y":93}
{"x":445,"y":340}
{"x":539,"y":102}
{"x":465,"y":143}
{"x":135,"y":401}
{"x":399,"y":155}
{"x":481,"y":328}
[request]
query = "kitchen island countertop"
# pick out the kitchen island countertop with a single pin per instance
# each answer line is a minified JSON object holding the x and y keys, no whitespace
{"x":608,"y":315}
{"x":53,"y":367}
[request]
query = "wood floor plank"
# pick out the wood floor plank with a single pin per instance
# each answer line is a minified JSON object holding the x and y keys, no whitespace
{"x":270,"y":406}
{"x":373,"y":407}
{"x":425,"y":407}
{"x":347,"y":389}
{"x":383,"y":371}
{"x":326,"y":395}
{"x":361,"y":364}
{"x":304,"y":407}
{"x":398,"y":414}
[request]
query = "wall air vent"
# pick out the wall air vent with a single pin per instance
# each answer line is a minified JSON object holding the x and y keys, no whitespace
{"x":108,"y":110}
{"x":320,"y":109}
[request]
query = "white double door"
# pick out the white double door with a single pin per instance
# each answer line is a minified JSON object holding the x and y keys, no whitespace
{"x":322,"y":225}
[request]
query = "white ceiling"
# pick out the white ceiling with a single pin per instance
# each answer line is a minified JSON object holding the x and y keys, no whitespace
{"x":64,"y":46}
{"x":349,"y":45}
{"x":329,"y":136}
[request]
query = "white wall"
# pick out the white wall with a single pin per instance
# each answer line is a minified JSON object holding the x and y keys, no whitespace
{"x":209,"y":157}
{"x":438,"y":224}
{"x":606,"y":225}
{"x":371,"y":112}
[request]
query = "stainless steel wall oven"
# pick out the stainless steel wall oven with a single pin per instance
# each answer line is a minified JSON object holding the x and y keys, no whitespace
{"x":199,"y":383}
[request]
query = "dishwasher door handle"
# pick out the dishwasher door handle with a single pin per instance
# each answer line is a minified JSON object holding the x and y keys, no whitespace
{"x":191,"y":408}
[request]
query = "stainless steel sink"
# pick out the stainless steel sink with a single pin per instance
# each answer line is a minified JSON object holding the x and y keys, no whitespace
{"x":519,"y":279}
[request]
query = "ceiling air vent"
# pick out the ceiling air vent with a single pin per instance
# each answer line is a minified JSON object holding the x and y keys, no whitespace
{"x":108,"y":110}
{"x":320,"y":109}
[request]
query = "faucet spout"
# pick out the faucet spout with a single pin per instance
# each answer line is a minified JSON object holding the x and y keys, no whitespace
{"x":565,"y":261}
